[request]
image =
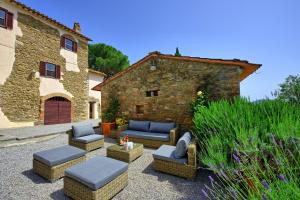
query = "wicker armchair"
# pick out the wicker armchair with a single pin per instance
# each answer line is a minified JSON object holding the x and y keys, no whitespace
{"x":86,"y":146}
{"x":187,"y":170}
{"x":174,"y":134}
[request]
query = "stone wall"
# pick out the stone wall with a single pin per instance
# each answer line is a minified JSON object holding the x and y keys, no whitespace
{"x":177,"y":82}
{"x":19,"y":96}
{"x":77,"y":83}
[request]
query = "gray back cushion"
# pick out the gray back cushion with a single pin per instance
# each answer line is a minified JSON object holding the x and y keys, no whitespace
{"x":146,"y":135}
{"x":159,"y":127}
{"x":139,"y":125}
{"x":182,"y":145}
{"x":82,"y":130}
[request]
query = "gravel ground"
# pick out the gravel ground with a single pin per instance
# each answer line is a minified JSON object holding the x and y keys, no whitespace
{"x":17,"y":180}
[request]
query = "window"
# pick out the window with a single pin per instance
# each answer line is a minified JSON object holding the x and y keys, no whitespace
{"x":152,"y":93}
{"x":153,"y":65}
{"x":6,"y":19}
{"x":68,"y":44}
{"x":49,"y":70}
{"x":139,"y":109}
{"x":2,"y":17}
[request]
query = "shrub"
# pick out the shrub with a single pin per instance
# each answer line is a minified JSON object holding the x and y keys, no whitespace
{"x":109,"y":115}
{"x":289,"y":90}
{"x":253,"y":147}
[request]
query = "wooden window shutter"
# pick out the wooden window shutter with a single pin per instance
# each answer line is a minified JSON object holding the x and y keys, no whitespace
{"x":74,"y":46}
{"x":57,"y":71}
{"x":42,"y":68}
{"x":9,"y":20}
{"x":62,"y":42}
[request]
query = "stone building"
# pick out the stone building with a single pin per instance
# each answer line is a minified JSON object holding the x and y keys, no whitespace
{"x":95,"y":78}
{"x":43,"y":68}
{"x":161,"y":87}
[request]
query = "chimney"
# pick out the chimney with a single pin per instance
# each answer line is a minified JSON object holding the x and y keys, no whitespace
{"x":76,"y":27}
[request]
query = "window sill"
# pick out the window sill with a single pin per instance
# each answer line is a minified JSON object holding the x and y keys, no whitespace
{"x":69,"y":50}
{"x":50,"y":77}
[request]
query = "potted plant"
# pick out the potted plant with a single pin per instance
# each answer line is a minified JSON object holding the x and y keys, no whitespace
{"x":109,"y":116}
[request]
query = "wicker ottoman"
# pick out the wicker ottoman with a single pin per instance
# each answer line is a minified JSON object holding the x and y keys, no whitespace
{"x":98,"y":178}
{"x":118,"y":152}
{"x":51,"y":164}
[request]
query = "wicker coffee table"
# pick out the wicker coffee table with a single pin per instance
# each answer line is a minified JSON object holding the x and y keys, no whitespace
{"x":118,"y":152}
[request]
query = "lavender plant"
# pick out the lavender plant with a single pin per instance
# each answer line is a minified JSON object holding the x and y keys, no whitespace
{"x":257,"y":145}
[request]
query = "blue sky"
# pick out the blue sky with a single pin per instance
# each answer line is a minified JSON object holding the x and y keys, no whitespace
{"x":260,"y":31}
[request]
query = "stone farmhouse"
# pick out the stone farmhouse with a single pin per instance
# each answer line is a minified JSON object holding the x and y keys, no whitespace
{"x":43,"y":70}
{"x":161,"y":87}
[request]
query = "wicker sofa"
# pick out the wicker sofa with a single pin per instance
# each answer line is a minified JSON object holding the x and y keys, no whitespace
{"x":165,"y":161}
{"x":149,"y":133}
{"x":84,"y":137}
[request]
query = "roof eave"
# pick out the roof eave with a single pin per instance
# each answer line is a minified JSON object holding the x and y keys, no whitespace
{"x":39,"y":14}
{"x":248,"y":68}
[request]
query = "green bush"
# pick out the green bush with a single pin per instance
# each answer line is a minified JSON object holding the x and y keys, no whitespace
{"x":249,"y":145}
{"x":110,"y":114}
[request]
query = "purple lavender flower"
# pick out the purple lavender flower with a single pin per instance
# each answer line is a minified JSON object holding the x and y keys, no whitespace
{"x":233,"y":192}
{"x":236,"y":158}
{"x":281,"y":177}
{"x":211,"y":179}
{"x":223,"y":174}
{"x":237,"y":172}
{"x":221,"y":166}
{"x":208,"y":188}
{"x":204,"y":193}
{"x":265,"y":184}
{"x":263,"y":196}
{"x":211,"y":166}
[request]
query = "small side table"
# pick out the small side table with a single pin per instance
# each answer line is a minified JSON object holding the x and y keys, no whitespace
{"x":118,"y":152}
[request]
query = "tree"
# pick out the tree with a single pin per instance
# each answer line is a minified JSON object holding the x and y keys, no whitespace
{"x":289,"y":90}
{"x":177,"y":52}
{"x":107,"y":59}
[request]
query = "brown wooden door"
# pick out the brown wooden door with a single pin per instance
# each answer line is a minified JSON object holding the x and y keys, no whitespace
{"x":57,"y":111}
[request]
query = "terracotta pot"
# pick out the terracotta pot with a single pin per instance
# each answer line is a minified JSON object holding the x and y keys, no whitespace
{"x":107,"y":127}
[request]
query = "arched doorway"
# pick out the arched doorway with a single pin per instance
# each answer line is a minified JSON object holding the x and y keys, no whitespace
{"x":57,"y":111}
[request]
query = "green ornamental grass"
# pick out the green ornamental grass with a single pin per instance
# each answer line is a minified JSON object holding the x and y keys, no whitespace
{"x":253,"y":148}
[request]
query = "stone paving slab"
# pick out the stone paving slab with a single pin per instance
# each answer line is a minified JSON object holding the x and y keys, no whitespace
{"x":39,"y":131}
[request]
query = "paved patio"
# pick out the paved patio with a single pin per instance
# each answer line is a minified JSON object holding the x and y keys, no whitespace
{"x":17,"y":180}
{"x":16,"y":136}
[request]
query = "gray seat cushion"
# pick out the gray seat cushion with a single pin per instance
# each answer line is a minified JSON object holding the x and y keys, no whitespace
{"x":146,"y":135}
{"x":82,"y":130}
{"x":89,"y":138}
{"x":167,"y":153}
{"x":139,"y":125}
{"x":159,"y":127}
{"x":56,"y":156}
{"x":97,"y":172}
{"x":182,"y":145}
